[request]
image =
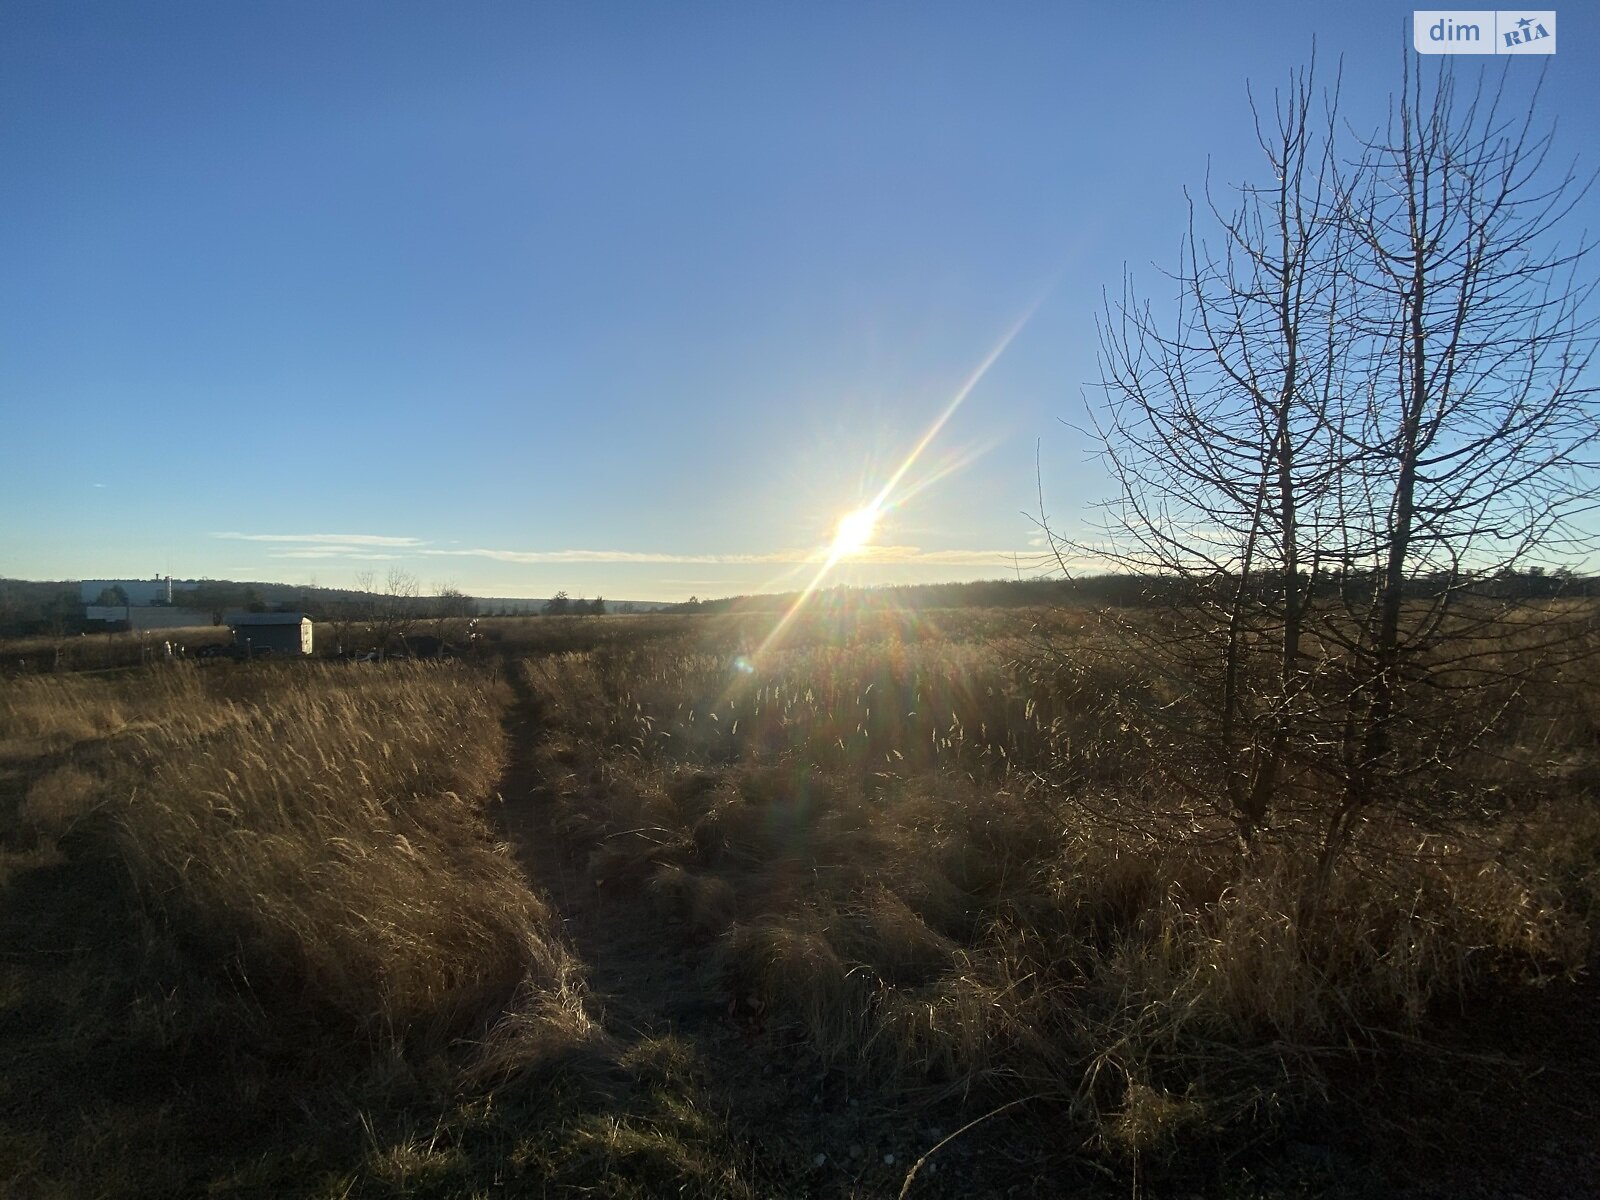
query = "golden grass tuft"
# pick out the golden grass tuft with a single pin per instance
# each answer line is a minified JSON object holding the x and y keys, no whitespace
{"x":705,"y":904}
{"x":791,"y":964}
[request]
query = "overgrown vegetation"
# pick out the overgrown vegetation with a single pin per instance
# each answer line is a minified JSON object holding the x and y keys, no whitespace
{"x":262,"y":935}
{"x":279,"y":886}
{"x":937,"y":867}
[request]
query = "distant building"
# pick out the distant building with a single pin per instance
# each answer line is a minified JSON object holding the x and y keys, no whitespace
{"x":153,"y":616}
{"x":131,"y":593}
{"x":276,"y":633}
{"x":137,"y":604}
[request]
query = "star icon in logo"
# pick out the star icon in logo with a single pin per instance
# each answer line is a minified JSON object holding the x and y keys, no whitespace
{"x":1525,"y":22}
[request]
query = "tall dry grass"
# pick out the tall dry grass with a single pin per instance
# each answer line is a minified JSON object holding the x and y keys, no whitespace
{"x":314,"y":835}
{"x":896,"y":841}
{"x":46,"y":653}
{"x":935,"y":867}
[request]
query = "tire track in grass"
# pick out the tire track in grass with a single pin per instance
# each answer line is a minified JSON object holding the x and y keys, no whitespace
{"x":642,"y":983}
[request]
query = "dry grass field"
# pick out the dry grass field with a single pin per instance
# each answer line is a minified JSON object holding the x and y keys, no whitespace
{"x":102,"y":651}
{"x":657,"y":905}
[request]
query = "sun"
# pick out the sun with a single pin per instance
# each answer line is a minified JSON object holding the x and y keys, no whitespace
{"x":855,"y":531}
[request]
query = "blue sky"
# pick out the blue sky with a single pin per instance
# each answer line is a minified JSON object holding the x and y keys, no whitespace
{"x":623,"y":298}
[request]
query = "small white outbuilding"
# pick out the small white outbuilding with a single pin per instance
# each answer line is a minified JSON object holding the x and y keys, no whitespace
{"x":275,"y":633}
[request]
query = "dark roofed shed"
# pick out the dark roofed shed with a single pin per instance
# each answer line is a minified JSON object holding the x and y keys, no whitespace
{"x":280,"y":633}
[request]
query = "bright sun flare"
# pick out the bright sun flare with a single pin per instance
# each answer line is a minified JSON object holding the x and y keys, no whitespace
{"x":855,"y":531}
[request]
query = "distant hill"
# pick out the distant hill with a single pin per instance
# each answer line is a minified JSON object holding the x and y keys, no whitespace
{"x":518,"y":606}
{"x":33,"y":606}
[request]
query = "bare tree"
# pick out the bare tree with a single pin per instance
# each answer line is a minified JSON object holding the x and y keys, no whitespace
{"x":1372,"y":394}
{"x":1217,"y":431}
{"x":1469,"y":447}
{"x":450,"y":607}
{"x":392,"y":609}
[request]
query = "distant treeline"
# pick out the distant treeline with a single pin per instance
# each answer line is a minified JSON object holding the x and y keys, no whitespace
{"x":30,"y":608}
{"x":27,"y":607}
{"x":1134,"y":591}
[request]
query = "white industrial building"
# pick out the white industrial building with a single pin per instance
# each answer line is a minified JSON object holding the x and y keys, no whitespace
{"x":140,"y":603}
{"x":138,"y":593}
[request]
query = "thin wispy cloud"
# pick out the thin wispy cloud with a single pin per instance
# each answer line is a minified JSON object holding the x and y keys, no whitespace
{"x":335,"y":552}
{"x":888,"y":555}
{"x":335,"y":539}
{"x":916,"y":556}
{"x":371,"y":547}
{"x":596,"y":556}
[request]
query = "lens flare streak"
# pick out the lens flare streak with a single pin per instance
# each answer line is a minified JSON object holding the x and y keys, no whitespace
{"x":863,"y":518}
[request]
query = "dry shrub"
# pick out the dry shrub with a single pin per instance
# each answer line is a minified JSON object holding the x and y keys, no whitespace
{"x":940,"y":1034}
{"x":275,"y":906}
{"x":902,"y":949}
{"x":58,"y":800}
{"x":704,"y":903}
{"x":544,"y":1026}
{"x":1220,"y":1005}
{"x":790,"y":963}
{"x":889,"y":703}
{"x":728,"y":828}
{"x":1150,"y":1119}
{"x":880,"y":993}
{"x":1153,"y":989}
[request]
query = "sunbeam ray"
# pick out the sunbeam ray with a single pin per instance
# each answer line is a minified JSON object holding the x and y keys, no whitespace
{"x":878,"y":503}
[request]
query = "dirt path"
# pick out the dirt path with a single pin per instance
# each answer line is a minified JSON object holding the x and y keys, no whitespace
{"x":801,"y":1123}
{"x":642,"y":982}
